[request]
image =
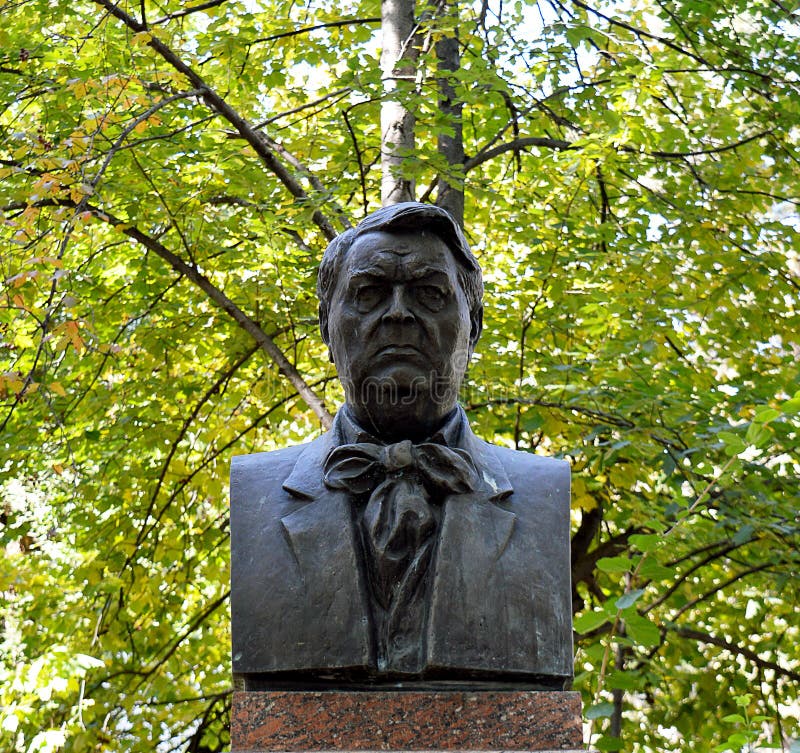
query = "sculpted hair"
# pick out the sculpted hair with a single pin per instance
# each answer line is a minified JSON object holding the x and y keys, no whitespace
{"x":406,"y":216}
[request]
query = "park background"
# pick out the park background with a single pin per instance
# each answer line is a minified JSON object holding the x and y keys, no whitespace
{"x":170,"y":174}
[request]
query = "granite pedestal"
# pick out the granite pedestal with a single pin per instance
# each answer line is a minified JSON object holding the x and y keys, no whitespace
{"x":424,"y":720}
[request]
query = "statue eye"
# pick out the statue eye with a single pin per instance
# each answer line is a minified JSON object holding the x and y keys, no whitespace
{"x":430,"y":296}
{"x":368,"y":297}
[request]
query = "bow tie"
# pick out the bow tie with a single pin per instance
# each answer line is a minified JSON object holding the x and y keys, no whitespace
{"x":359,"y":468}
{"x":398,"y":525}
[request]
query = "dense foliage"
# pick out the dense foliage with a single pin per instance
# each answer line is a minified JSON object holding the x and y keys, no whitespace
{"x":171,"y":173}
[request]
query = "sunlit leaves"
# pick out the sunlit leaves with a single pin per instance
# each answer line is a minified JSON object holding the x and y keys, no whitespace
{"x":641,"y":263}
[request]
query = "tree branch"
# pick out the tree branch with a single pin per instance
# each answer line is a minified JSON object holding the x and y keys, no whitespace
{"x":361,"y":172}
{"x":683,"y":576}
{"x":217,"y":452}
{"x":698,"y":635}
{"x":335,"y":95}
{"x":608,"y":418}
{"x":714,"y":150}
{"x":730,"y":581}
{"x":218,"y":104}
{"x":265,"y":342}
{"x":316,"y":27}
{"x":115,"y":147}
{"x":190,"y":628}
{"x":641,"y":33}
{"x":188,"y":11}
{"x":561,"y":145}
{"x":515,"y":146}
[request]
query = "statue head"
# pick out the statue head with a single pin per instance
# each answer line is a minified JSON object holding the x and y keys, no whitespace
{"x":401,"y":312}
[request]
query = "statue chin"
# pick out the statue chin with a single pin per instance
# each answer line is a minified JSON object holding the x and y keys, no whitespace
{"x":402,"y":401}
{"x":409,"y":416}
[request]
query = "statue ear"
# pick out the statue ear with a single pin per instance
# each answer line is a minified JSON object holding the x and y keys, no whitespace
{"x":323,"y":328}
{"x":476,"y":326}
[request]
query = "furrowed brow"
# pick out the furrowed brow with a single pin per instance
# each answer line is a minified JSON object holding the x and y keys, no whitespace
{"x":424,"y":272}
{"x":372,"y":270}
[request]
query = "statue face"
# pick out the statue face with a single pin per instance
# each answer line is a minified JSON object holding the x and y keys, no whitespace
{"x":399,"y":332}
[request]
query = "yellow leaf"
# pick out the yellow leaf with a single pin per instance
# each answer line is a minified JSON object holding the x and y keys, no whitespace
{"x":581,"y":499}
{"x":58,"y":389}
{"x":623,"y":475}
{"x":54,"y":260}
{"x":19,"y":280}
{"x":72,"y":333}
{"x":23,"y":340}
{"x":143,"y":37}
{"x":13,"y":384}
{"x":78,"y":89}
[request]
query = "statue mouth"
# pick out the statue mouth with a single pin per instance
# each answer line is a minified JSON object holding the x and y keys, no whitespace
{"x":399,"y":350}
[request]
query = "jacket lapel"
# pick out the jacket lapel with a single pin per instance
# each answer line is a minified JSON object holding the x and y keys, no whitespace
{"x":305,"y":480}
{"x":468,"y":600}
{"x":474,"y":528}
{"x":321,"y":538}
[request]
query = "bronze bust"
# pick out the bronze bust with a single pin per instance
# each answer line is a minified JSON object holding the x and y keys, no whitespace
{"x":398,"y":549}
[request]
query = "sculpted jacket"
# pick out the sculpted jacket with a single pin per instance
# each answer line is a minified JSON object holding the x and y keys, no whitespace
{"x":500,"y":601}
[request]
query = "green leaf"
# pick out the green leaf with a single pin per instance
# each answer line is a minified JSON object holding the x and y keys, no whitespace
{"x":733,"y":443}
{"x":764,"y":414}
{"x":589,"y":621}
{"x":758,"y":434}
{"x":651,"y":569}
{"x":628,"y":599}
{"x":791,"y":406}
{"x":608,"y":743}
{"x":745,"y":533}
{"x":615,"y":564}
{"x":731,"y":718}
{"x":645,"y":542}
{"x":600,"y":711}
{"x":621,"y":680}
{"x":642,"y":631}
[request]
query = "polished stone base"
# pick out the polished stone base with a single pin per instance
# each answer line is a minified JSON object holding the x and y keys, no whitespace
{"x":374,"y":720}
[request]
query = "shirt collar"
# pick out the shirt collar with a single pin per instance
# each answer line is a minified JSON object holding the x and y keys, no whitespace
{"x":450,"y":434}
{"x":305,"y":480}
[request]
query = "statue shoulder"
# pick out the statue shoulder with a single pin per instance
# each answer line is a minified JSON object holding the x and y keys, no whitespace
{"x":534,"y":477}
{"x":528,"y":462}
{"x":521,"y":463}
{"x":258,"y":462}
{"x":261,"y":472}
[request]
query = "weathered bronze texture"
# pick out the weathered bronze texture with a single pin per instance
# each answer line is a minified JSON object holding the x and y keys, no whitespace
{"x":399,"y":549}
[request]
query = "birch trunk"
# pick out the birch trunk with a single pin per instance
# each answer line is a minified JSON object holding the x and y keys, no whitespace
{"x":397,"y":122}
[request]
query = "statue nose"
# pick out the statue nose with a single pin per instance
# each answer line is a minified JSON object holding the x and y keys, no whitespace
{"x":398,"y":309}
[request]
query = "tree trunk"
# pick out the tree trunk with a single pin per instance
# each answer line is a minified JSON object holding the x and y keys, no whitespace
{"x":397,"y":122}
{"x":450,"y":188}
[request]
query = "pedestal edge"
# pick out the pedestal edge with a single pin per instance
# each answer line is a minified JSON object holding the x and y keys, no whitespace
{"x":366,"y":721}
